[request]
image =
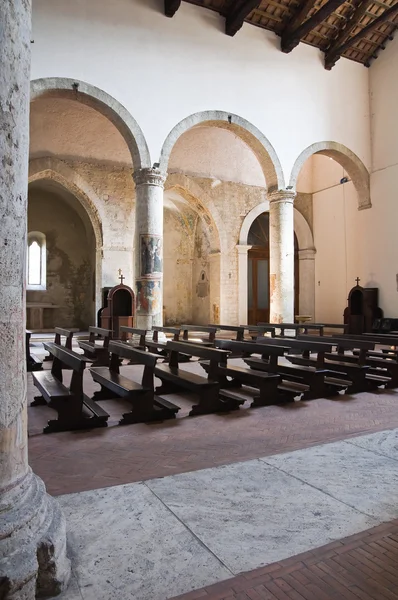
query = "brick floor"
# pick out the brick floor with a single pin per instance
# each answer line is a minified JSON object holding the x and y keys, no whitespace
{"x":78,"y":461}
{"x":360,"y":567}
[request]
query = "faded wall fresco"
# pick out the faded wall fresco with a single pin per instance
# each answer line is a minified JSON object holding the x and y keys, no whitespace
{"x":70,"y":258}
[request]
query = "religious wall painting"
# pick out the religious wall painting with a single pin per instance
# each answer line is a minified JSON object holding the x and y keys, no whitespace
{"x":151,"y":262}
{"x":149,"y":296}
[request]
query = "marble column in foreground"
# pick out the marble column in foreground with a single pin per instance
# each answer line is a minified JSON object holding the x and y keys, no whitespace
{"x":281,"y":251}
{"x":149,"y":246}
{"x":33,"y":559}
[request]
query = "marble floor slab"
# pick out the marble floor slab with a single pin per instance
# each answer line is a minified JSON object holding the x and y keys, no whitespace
{"x":126,"y":544}
{"x":164,"y":537}
{"x":346,"y":472}
{"x":382,"y":442}
{"x":251,"y":514}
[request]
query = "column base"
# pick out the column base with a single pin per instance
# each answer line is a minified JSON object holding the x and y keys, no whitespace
{"x":33,"y":561}
{"x":148,"y":321}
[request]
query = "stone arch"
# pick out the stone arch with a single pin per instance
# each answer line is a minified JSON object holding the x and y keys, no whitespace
{"x":102,"y":102}
{"x":307,"y":252}
{"x":247,"y":132}
{"x":347,"y":159}
{"x":56,"y":170}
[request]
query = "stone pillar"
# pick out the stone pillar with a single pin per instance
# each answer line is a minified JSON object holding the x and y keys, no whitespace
{"x":149,"y":246}
{"x":281,"y":252}
{"x":215,"y":287}
{"x":243,"y":250}
{"x":307,"y":282}
{"x":32,"y":530}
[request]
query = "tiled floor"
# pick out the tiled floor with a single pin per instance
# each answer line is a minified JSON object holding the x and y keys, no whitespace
{"x":359,"y":567}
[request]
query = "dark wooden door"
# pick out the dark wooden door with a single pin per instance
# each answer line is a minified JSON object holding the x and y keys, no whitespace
{"x":258,"y":287}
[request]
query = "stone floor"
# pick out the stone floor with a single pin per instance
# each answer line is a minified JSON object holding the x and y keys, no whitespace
{"x":169,"y":536}
{"x":223,"y":506}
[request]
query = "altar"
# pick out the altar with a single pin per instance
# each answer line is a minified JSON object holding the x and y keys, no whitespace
{"x":35,"y":314}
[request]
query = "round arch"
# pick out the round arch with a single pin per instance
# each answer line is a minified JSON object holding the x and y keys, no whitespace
{"x":56,"y":170}
{"x":99,"y":100}
{"x":347,"y":159}
{"x":306,"y":260}
{"x":247,"y":132}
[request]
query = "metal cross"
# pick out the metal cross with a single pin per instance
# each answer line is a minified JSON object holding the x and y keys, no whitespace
{"x":357,"y":280}
{"x":121,"y":276}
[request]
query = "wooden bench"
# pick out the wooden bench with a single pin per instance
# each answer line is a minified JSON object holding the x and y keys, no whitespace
{"x":296,"y":327}
{"x":127,"y":334}
{"x":98,"y":354}
{"x":269,"y":383}
{"x":75,"y":409}
{"x":358,"y":372}
{"x":255,"y":330}
{"x":174,"y":379}
{"x":59,"y":334}
{"x":205,"y":341}
{"x":238,"y":330}
{"x":145,"y":405}
{"x":159,"y":347}
{"x":322,"y":381}
{"x":33,"y":363}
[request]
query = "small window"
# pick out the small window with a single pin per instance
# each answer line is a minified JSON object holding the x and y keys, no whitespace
{"x":36,"y":261}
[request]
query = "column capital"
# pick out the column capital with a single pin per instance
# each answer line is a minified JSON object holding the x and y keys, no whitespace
{"x":149,"y":176}
{"x":307,"y":254}
{"x":243,"y":248}
{"x":286,"y":196}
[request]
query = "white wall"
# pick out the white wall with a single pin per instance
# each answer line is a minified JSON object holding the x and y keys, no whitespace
{"x":163,"y":70}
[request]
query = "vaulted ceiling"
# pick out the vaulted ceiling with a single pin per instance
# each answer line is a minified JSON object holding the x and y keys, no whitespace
{"x":355,"y":29}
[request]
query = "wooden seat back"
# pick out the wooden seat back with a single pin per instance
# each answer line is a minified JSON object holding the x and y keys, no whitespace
{"x":174,"y":331}
{"x":214,"y":355}
{"x":130,"y":331}
{"x":300,"y":343}
{"x":260,"y":329}
{"x":240,"y":331}
{"x":105,"y":334}
{"x":342,"y":344}
{"x":148,"y":359}
{"x":269,"y":352}
{"x":67,"y":333}
{"x":63,"y":357}
{"x":210,"y":330}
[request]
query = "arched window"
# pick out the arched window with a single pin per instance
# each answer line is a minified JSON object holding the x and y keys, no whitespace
{"x":36,"y":267}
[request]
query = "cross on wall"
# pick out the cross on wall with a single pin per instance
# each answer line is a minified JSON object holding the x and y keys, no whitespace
{"x":121,"y":276}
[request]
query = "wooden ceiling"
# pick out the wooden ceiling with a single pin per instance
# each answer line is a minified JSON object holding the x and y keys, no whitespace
{"x":355,"y":29}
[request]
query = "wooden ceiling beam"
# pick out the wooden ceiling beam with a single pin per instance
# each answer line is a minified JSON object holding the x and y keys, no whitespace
{"x":239,"y":12}
{"x":387,"y":14}
{"x":171,"y":7}
{"x":299,"y":17}
{"x":352,"y":23}
{"x":292,"y":38}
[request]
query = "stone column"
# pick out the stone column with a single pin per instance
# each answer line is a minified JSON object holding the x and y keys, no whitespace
{"x":32,"y":530}
{"x":307,"y":282}
{"x":243,"y":250}
{"x":215,"y":288}
{"x":281,"y":251}
{"x":149,"y":246}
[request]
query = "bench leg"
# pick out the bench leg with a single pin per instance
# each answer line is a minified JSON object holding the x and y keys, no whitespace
{"x":104,"y":394}
{"x":57,"y":425}
{"x":210,"y":402}
{"x":268,"y":395}
{"x":38,"y":401}
{"x":145,"y":410}
{"x":317,"y":387}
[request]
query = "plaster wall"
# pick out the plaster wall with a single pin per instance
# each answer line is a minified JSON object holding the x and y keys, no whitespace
{"x":163,"y":70}
{"x":70,"y":261}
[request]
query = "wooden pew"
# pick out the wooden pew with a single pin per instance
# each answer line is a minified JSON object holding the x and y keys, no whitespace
{"x":97,"y":353}
{"x":359,"y":373}
{"x":238,"y":330}
{"x":322,"y":381}
{"x":269,"y":383}
{"x":128,"y":332}
{"x":75,"y":409}
{"x":59,"y":333}
{"x":145,"y":406}
{"x":339,"y":326}
{"x":255,"y":330}
{"x":174,"y":379}
{"x":296,"y":327}
{"x":159,"y":347}
{"x":33,"y":363}
{"x":209,"y":341}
